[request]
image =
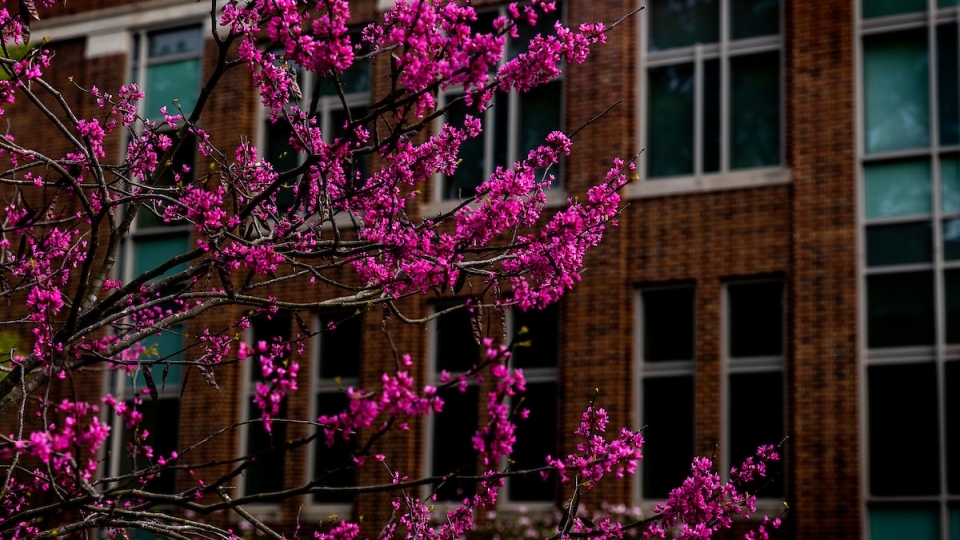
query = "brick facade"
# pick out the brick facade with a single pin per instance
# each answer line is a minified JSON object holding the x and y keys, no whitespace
{"x":803,"y":232}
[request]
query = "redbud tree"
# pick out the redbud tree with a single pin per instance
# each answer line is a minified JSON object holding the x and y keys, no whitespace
{"x":66,"y":214}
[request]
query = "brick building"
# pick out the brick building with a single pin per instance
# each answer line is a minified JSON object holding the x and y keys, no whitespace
{"x":788,"y":262}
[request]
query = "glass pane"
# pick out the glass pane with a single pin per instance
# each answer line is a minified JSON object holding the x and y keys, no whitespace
{"x":678,"y":23}
{"x":951,"y":239}
{"x":544,"y":27}
{"x":165,"y":345}
{"x":897,"y":189}
{"x":948,"y":92}
{"x":951,"y":282}
{"x":900,"y":310}
{"x":668,"y":434}
{"x":152,"y":251}
{"x":955,"y":522}
{"x":950,"y":182}
{"x":161,"y":419}
{"x":755,"y":110}
{"x":536,"y":439}
{"x":755,"y":18}
{"x":902,"y":406}
{"x":541,"y":110}
{"x":281,"y":155}
{"x":948,"y":3}
{"x":451,"y":442}
{"x":898,"y":523}
{"x":501,"y":129}
{"x":756,"y":418}
{"x":469,"y":174}
{"x":668,"y":324}
{"x":172,"y":42}
{"x":338,"y":123}
{"x":186,"y":154}
{"x":880,"y":8}
{"x":265,"y":473}
{"x":670,"y":129}
{"x":896,"y":105}
{"x":456,"y":349}
{"x":173,"y":81}
{"x":333,"y":463}
{"x":952,"y":396}
{"x":340,"y":346}
{"x":275,"y":329}
{"x":543,"y":334}
{"x":899,"y":244}
{"x":711,"y":116}
{"x":755,"y":317}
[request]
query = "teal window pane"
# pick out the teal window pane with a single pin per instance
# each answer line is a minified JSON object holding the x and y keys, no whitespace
{"x":186,"y":154}
{"x":897,"y":189}
{"x":948,"y":3}
{"x":152,"y":251}
{"x":178,"y":81}
{"x":755,"y":110}
{"x":755,"y":18}
{"x":670,"y":128}
{"x":952,"y":398}
{"x":896,"y":104}
{"x":918,"y":523}
{"x":541,"y":110}
{"x":166,"y":346}
{"x":955,"y":523}
{"x":903,"y":243}
{"x":880,"y":8}
{"x":948,"y":84}
{"x":900,"y":310}
{"x":951,"y":285}
{"x":951,"y":239}
{"x":175,"y":42}
{"x":711,"y":116}
{"x":469,"y":173}
{"x":950,"y":182}
{"x":678,"y":23}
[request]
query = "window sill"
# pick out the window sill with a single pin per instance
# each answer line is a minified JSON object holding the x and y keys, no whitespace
{"x":325,"y":512}
{"x":679,"y":185}
{"x":555,"y":198}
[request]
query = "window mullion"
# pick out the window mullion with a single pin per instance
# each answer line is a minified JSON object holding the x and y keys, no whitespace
{"x":698,"y":99}
{"x":724,"y":86}
{"x":513,"y":128}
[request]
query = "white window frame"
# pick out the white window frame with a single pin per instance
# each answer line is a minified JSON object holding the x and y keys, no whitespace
{"x":319,"y":385}
{"x":556,"y":195}
{"x":532,"y":375}
{"x":941,"y":352}
{"x":724,"y":49}
{"x":646,"y":370}
{"x":754,"y":364}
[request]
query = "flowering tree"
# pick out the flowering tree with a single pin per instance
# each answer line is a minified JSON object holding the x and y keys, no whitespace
{"x":62,"y":259}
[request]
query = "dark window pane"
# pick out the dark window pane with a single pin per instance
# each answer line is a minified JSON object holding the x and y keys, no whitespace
{"x":340,"y":346}
{"x":185,"y":155}
{"x":755,"y":18}
{"x":900,"y":188}
{"x":755,"y":319}
{"x":456,"y":348}
{"x":469,"y":174}
{"x":896,"y":100}
{"x":265,"y":473}
{"x":338,"y":123}
{"x":678,"y":23}
{"x":544,"y":27}
{"x":501,"y":129}
{"x":668,"y":324}
{"x":272,"y":330}
{"x":452,"y":446}
{"x":711,"y":116}
{"x":174,"y":42}
{"x":900,"y":310}
{"x":880,"y":8}
{"x":668,"y":435}
{"x":333,"y":463}
{"x":952,"y":395}
{"x":951,"y":285}
{"x":755,"y":110}
{"x":543,"y":334}
{"x":355,"y":79}
{"x":161,"y":419}
{"x":948,"y":95}
{"x":951,"y":239}
{"x":670,"y":128}
{"x":541,"y":110}
{"x":536,"y":439}
{"x":955,"y":521}
{"x":903,"y":429}
{"x":899,"y":244}
{"x":756,"y":418}
{"x":916,"y":522}
{"x":281,"y":155}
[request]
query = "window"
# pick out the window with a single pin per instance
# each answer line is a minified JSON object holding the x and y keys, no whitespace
{"x":754,"y":359}
{"x":514,"y":125}
{"x":449,"y":446}
{"x":712,"y":72}
{"x":330,"y":113}
{"x":266,"y":472}
{"x":166,"y":66}
{"x":337,"y":354}
{"x":910,"y":214}
{"x":666,"y":359}
{"x":537,"y":436}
